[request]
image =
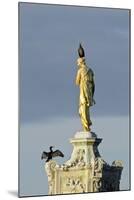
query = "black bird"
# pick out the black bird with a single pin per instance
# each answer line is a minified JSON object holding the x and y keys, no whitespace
{"x":81,"y":51}
{"x":51,"y":154}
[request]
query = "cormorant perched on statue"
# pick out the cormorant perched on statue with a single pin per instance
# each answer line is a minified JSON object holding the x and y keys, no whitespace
{"x":49,"y":155}
{"x":81,"y":51}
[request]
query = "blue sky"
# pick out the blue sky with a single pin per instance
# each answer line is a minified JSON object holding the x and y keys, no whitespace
{"x":49,"y":39}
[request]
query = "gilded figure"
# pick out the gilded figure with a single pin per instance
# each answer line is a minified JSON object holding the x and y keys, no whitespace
{"x":85,"y":80}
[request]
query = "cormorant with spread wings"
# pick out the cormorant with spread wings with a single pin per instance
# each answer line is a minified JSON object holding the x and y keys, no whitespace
{"x":49,"y":155}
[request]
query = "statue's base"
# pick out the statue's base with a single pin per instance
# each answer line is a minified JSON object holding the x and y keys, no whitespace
{"x":85,"y":171}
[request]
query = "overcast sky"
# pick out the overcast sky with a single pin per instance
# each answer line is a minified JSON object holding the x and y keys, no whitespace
{"x":48,"y":42}
{"x":49,"y":39}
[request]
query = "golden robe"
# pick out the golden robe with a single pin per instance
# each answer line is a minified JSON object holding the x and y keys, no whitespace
{"x":85,"y":80}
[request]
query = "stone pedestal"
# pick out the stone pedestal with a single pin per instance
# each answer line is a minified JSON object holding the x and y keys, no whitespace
{"x":85,"y":171}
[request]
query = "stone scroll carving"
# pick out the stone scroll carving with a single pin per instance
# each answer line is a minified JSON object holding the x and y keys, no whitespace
{"x":50,"y":170}
{"x":77,"y":159}
{"x":97,"y":184}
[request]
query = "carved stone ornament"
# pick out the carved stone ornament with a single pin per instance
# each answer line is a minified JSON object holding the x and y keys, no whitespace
{"x":50,"y":168}
{"x":75,"y":185}
{"x":85,"y":171}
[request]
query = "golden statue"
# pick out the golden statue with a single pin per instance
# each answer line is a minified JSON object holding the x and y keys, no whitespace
{"x":85,"y":80}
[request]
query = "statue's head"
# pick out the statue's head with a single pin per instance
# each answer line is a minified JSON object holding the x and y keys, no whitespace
{"x":81,"y":61}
